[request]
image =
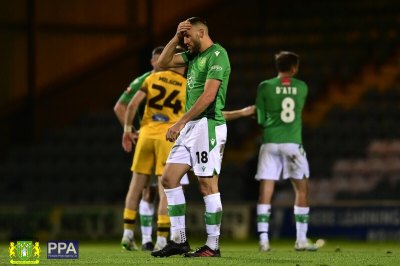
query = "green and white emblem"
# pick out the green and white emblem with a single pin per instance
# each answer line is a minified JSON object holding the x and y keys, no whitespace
{"x":24,"y":252}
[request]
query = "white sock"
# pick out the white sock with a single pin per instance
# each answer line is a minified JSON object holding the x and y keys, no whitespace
{"x":263,"y":216}
{"x":213,"y":242}
{"x":146,"y":213}
{"x":176,"y":211}
{"x":213,"y":217}
{"x":264,"y":238}
{"x":128,"y":233}
{"x":161,"y":240}
{"x":146,"y":238}
{"x":301,"y":216}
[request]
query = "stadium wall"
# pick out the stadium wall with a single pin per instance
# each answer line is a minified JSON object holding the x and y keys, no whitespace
{"x":347,"y":220}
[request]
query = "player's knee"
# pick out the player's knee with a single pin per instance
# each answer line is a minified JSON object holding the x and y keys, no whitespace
{"x":205,"y":189}
{"x":166,"y":182}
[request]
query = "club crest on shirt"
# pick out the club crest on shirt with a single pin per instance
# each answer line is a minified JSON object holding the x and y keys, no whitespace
{"x":202,"y":62}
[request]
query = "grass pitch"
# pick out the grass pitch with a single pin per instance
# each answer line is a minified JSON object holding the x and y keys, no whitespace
{"x":335,"y":252}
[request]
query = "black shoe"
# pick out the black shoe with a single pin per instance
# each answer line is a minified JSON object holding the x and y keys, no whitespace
{"x":172,"y":248}
{"x":204,"y":251}
{"x":149,"y":246}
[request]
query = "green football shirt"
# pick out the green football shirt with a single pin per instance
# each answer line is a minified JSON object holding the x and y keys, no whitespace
{"x":213,"y":63}
{"x":128,"y":94}
{"x":279,"y":104}
{"x":135,"y":85}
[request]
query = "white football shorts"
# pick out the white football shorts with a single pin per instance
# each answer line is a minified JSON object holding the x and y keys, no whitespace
{"x":282,"y":161}
{"x":200,"y":145}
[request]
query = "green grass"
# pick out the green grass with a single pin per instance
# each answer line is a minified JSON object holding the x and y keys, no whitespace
{"x":236,"y":253}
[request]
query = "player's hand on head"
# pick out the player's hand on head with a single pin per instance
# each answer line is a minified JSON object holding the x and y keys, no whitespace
{"x":182,"y":28}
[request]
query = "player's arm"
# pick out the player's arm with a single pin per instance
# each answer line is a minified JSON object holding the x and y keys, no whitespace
{"x":119,"y":110}
{"x":130,"y":135}
{"x":235,"y":114}
{"x":206,"y":98}
{"x":168,"y":57}
{"x":123,"y":101}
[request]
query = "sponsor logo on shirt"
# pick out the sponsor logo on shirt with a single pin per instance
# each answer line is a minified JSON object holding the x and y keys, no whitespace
{"x":160,"y":117}
{"x":191,"y":80}
{"x":216,"y":68}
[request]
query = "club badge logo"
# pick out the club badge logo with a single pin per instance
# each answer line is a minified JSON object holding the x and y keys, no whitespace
{"x":24,"y":252}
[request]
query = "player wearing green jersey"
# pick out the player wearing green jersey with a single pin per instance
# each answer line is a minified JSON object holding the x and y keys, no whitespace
{"x":199,"y":135}
{"x":146,"y":205}
{"x":279,"y":106}
{"x":127,"y":95}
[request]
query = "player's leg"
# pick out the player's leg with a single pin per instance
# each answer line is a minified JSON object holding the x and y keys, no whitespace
{"x":146,"y":212}
{"x":301,"y":214}
{"x":141,"y":168}
{"x":269,"y":170}
{"x":177,"y":165}
{"x":133,"y":196}
{"x":163,"y":221}
{"x":207,"y":157}
{"x":162,"y":149}
{"x":264,"y":212}
{"x":176,"y":201}
{"x":296,"y":168}
{"x":212,"y":216}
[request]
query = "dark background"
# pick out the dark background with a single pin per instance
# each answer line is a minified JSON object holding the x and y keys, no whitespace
{"x":64,"y":64}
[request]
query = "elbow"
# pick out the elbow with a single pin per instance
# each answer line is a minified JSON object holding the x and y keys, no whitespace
{"x":117,"y":108}
{"x":130,"y":107}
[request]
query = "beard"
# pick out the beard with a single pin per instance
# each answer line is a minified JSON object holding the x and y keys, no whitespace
{"x":195,"y":48}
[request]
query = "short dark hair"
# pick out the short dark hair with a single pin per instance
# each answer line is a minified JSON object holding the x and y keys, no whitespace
{"x":197,"y":20}
{"x":157,"y":50}
{"x":285,"y":60}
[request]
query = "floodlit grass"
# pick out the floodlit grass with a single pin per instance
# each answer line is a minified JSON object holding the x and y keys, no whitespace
{"x":334,"y":253}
